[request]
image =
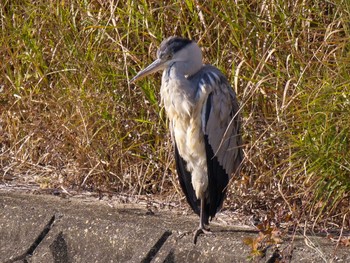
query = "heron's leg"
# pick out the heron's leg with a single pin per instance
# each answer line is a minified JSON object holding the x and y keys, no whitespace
{"x":201,"y":229}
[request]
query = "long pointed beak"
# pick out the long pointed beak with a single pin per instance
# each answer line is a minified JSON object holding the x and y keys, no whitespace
{"x":155,"y":66}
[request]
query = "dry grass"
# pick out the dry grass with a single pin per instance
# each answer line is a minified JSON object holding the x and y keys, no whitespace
{"x":69,"y":117}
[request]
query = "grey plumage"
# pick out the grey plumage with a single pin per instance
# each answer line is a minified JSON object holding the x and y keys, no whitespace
{"x":204,"y":123}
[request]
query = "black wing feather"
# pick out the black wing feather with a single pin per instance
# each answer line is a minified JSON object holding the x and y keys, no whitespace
{"x":217,"y":181}
{"x":185,"y":180}
{"x":217,"y":177}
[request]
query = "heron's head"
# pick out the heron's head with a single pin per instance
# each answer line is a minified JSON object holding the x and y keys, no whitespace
{"x":172,"y":50}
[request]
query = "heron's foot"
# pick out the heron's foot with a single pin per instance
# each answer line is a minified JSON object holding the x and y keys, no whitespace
{"x":201,"y":231}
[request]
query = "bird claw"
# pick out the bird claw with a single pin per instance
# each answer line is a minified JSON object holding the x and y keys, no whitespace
{"x":200,"y":231}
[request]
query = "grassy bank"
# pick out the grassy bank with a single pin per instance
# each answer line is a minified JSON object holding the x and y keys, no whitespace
{"x":68,"y":116}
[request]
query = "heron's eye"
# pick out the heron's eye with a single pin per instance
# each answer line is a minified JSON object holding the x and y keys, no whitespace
{"x":168,"y":56}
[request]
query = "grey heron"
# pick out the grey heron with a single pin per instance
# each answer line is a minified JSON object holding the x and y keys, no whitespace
{"x":204,"y":123}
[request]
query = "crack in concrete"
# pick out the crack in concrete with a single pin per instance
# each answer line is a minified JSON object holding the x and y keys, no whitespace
{"x":35,"y":244}
{"x":170,"y":258}
{"x":157,"y":246}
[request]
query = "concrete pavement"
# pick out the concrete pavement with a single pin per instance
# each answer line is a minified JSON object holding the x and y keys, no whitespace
{"x":47,"y":228}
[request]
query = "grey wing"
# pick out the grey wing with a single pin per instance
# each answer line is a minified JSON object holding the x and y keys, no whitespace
{"x":221,"y":121}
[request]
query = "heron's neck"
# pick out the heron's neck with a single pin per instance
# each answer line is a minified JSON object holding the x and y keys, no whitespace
{"x":180,"y":70}
{"x":177,"y":92}
{"x":175,"y":71}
